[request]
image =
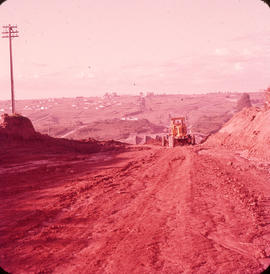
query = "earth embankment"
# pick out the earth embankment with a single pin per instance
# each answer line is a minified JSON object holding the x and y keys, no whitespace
{"x":248,"y":131}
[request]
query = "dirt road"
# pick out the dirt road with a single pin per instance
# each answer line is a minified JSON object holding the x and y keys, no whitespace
{"x":146,"y":210}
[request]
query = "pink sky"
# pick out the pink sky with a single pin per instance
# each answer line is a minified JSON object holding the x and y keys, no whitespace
{"x":89,"y":47}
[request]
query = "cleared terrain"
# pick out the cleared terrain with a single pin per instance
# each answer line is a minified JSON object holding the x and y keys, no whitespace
{"x":108,"y":207}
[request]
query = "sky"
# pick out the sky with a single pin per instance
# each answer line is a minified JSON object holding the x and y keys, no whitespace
{"x":90,"y":47}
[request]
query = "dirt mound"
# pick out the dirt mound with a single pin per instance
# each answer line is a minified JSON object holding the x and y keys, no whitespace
{"x":248,"y":130}
{"x":16,"y":126}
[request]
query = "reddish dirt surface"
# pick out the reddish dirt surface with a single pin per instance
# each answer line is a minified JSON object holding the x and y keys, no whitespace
{"x":105,"y":207}
{"x":143,"y":210}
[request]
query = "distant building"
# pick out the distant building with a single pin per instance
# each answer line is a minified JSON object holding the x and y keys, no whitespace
{"x":108,"y":95}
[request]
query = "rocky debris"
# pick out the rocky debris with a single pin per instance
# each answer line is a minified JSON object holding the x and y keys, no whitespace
{"x":152,"y":140}
{"x":133,"y":139}
{"x":247,"y":131}
{"x":243,"y":102}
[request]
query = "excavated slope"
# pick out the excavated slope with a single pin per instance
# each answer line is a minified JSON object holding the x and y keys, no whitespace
{"x":249,"y":131}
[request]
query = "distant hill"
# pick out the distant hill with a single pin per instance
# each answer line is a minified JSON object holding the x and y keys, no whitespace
{"x":116,"y":118}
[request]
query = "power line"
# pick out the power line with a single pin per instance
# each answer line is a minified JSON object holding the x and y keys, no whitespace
{"x":10,"y":32}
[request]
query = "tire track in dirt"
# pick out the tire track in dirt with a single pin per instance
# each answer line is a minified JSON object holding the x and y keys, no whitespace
{"x":139,"y":224}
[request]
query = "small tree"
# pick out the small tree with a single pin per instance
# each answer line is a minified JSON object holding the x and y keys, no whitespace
{"x":243,"y":102}
{"x":267,"y":98}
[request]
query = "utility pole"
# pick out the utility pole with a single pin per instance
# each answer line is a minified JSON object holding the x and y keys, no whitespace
{"x":11,"y":32}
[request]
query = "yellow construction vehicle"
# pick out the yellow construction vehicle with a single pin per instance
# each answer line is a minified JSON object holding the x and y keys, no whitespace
{"x":178,"y":134}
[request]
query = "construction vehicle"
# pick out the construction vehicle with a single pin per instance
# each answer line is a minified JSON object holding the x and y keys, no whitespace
{"x":178,"y":134}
